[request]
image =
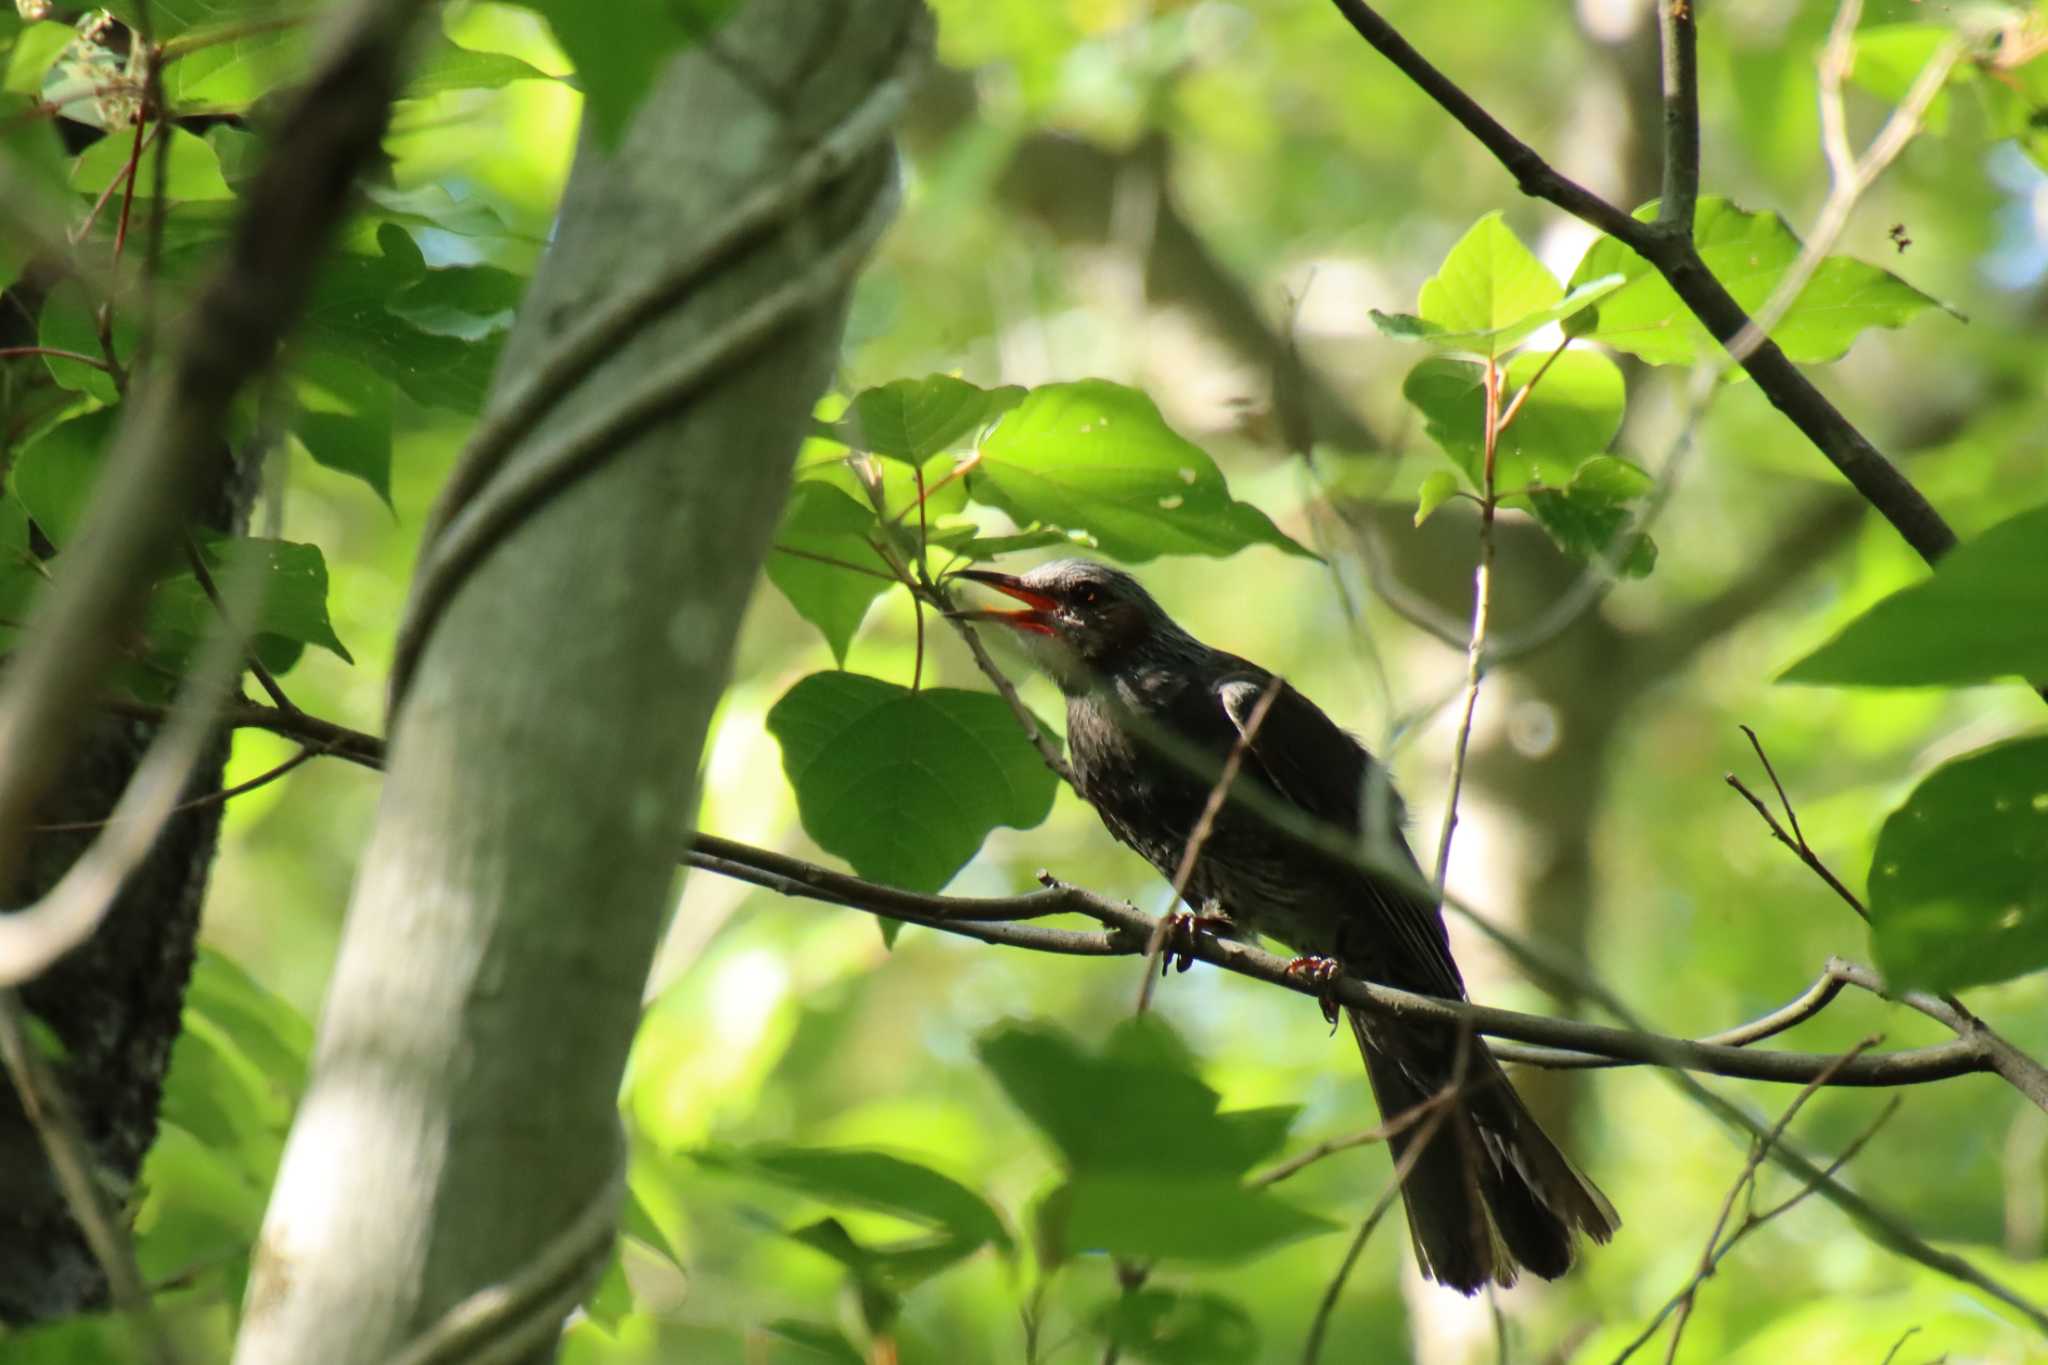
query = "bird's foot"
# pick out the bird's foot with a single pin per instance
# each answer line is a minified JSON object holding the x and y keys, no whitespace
{"x":1182,"y":929}
{"x":1323,"y":973}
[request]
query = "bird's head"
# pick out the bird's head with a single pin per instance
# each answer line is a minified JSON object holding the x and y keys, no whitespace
{"x":1080,"y":620}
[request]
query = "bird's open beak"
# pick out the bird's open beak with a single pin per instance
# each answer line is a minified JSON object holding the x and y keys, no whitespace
{"x":1038,"y":607}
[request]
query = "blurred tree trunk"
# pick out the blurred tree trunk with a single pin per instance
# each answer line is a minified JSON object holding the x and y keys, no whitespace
{"x":463,"y":1107}
{"x":116,"y":1002}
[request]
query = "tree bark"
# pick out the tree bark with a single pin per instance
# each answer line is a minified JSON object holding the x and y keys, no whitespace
{"x":463,"y":1108}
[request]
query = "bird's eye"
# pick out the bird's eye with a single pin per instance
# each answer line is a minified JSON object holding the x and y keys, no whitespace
{"x":1089,"y":596}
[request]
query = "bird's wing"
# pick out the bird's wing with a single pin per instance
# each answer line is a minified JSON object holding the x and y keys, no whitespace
{"x":1321,"y":770}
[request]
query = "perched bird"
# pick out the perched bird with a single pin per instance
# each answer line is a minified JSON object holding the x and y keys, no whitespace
{"x":1153,"y":715}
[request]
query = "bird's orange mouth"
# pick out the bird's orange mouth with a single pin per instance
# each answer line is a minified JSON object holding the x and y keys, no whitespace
{"x":1036,"y":615}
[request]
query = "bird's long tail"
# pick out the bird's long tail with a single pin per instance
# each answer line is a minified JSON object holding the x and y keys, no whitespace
{"x":1489,"y":1193}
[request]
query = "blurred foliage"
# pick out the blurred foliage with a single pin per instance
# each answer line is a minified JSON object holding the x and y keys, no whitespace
{"x":963,"y":1148}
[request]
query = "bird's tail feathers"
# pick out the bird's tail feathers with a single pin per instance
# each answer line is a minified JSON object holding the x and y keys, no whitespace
{"x":1489,"y":1193}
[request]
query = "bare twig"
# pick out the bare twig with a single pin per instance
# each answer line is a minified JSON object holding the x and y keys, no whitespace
{"x":1717,"y":1248}
{"x":1679,"y":42}
{"x":1669,"y":249}
{"x":1205,"y":824}
{"x":69,"y":1153}
{"x":1439,"y":1106}
{"x":1482,"y":605}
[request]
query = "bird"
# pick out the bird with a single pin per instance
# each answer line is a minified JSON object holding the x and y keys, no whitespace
{"x":1153,"y":718}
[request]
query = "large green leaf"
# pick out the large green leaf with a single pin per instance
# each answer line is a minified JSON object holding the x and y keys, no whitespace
{"x":193,"y":173}
{"x":822,"y":520}
{"x":291,"y":612}
{"x":66,"y":323}
{"x":351,"y":315}
{"x":915,"y":419}
{"x":344,"y":418}
{"x":889,"y":1269}
{"x":1959,"y":882}
{"x":905,"y":785}
{"x":55,"y":474}
{"x":1097,"y":458}
{"x":620,"y":47}
{"x":858,"y":1178}
{"x":1573,"y":413}
{"x":1748,"y":253}
{"x":1982,"y":615}
{"x":1138,"y":1109}
{"x":1488,"y":281}
{"x":1151,"y":1215}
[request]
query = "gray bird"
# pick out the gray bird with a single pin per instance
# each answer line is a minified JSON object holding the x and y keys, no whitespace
{"x":1153,"y":714}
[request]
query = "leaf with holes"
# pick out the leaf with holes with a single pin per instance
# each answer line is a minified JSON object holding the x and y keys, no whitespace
{"x":1749,"y":253}
{"x":1981,"y":616}
{"x":905,"y":785}
{"x":1959,"y":882}
{"x":1097,"y":458}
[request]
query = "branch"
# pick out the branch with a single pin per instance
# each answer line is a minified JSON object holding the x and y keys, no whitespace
{"x":238,"y":318}
{"x":1679,"y":40}
{"x":1670,"y":250}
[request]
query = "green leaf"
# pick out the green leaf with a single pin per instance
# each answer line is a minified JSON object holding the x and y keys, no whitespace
{"x":66,"y":324}
{"x":293,"y":609}
{"x":1980,"y":616}
{"x":1488,"y":281}
{"x":905,"y":785}
{"x":1499,"y":340}
{"x":1097,"y":458}
{"x":344,"y":419}
{"x":1437,"y":489}
{"x":1134,"y":1110}
{"x":447,"y":66}
{"x":466,"y":301}
{"x":1959,"y":882}
{"x":1888,"y":59}
{"x":1172,"y":1328}
{"x":884,"y":1271}
{"x":227,"y":66}
{"x":1748,"y":253}
{"x":55,"y":475}
{"x":858,"y":1178}
{"x":619,"y":48}
{"x":35,"y":49}
{"x":1574,"y":411}
{"x":915,"y":419}
{"x":351,"y":315}
{"x":194,"y":172}
{"x":822,"y":520}
{"x":1586,"y":517}
{"x":1155,"y":1216}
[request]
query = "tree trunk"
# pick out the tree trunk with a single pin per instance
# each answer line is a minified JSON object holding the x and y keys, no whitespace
{"x":463,"y":1108}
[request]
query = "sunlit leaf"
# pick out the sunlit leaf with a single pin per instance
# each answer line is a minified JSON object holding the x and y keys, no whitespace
{"x":1980,"y":616}
{"x":1097,"y":458}
{"x":1158,"y":1216}
{"x":915,"y":419}
{"x":194,"y":170}
{"x":1488,"y":282}
{"x":905,"y":785}
{"x":619,"y":48}
{"x":1497,"y":341}
{"x":1959,"y":882}
{"x":1573,"y":413}
{"x":1587,"y":516}
{"x":822,"y":523}
{"x":1748,"y":253}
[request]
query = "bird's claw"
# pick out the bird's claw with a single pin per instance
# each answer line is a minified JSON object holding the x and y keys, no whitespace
{"x":1323,"y":973}
{"x":1182,"y":929}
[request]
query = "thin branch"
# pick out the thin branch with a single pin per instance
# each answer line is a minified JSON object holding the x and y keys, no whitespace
{"x":1205,"y":825}
{"x":1682,"y":1301}
{"x":1681,"y":80}
{"x":219,"y":798}
{"x":1440,"y":1107}
{"x":64,"y":1143}
{"x":1672,"y":253}
{"x":1482,"y":605}
{"x":56,"y":353}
